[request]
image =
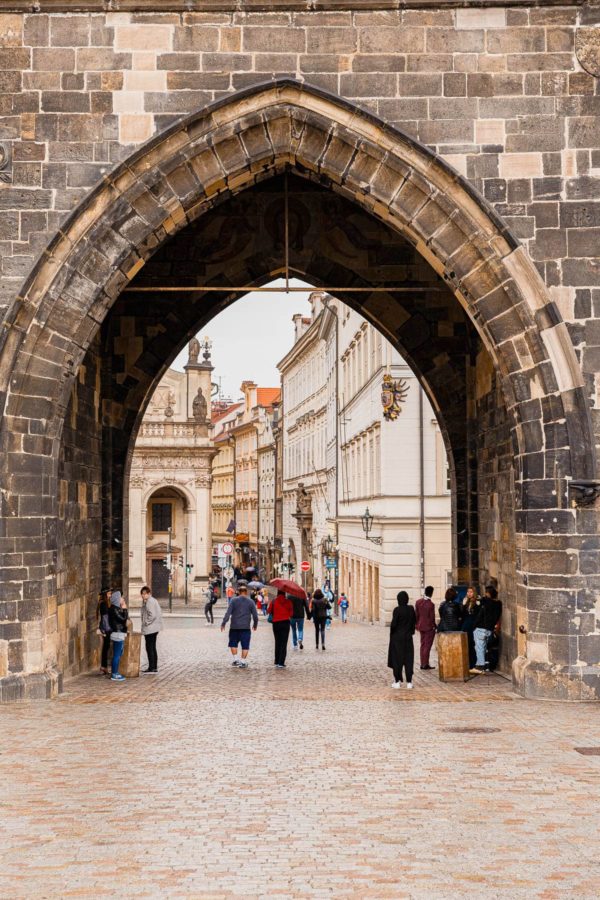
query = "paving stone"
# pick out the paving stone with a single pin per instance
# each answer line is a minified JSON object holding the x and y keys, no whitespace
{"x":316,"y":781}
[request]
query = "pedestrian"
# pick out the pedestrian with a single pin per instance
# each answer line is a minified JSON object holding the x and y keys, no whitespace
{"x":425,"y":624}
{"x":281,"y":610}
{"x":104,"y":628}
{"x":343,"y":604}
{"x":265,"y":602}
{"x":117,"y":619}
{"x":301,"y":610}
{"x":328,"y":594}
{"x":450,"y":613}
{"x":152,"y":623}
{"x":319,"y":609}
{"x":211,"y":599}
{"x":230,"y":593}
{"x":486,"y":624}
{"x":242,"y":612}
{"x":470,"y":612}
{"x":401,"y":652}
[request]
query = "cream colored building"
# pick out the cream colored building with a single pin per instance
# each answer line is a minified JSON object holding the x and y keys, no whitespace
{"x":342,"y":457}
{"x":223,"y":477}
{"x":170,"y":486}
{"x":236,"y":472}
{"x":306,"y":510}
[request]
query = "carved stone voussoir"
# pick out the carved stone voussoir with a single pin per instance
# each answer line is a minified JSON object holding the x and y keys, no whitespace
{"x":587,"y":48}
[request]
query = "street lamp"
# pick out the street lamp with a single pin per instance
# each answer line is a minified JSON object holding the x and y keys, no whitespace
{"x":185,"y":531}
{"x":367,"y":525}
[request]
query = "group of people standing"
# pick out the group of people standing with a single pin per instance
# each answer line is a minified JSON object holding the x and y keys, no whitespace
{"x":478,"y":616}
{"x":113,"y":618}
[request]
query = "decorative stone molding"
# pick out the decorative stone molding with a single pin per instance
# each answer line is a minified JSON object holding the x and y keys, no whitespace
{"x":6,"y":175}
{"x":587,"y":49}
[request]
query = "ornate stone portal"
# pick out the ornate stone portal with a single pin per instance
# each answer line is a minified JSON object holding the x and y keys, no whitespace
{"x":170,"y":487}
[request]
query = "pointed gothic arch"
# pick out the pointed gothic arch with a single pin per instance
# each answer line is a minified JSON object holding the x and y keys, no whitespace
{"x":224,"y":150}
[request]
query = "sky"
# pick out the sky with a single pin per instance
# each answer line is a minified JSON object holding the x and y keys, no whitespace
{"x":233,"y":357}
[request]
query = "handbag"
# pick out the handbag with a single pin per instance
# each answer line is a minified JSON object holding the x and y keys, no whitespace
{"x":270,"y":617}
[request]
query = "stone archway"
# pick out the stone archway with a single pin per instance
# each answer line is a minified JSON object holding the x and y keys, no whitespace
{"x":187,"y":173}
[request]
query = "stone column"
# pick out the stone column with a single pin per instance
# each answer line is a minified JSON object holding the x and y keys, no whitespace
{"x":137,"y":539}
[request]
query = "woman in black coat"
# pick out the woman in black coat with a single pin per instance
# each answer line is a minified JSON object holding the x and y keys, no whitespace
{"x":401,"y":653}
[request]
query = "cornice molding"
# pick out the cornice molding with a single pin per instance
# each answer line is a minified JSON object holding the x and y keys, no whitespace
{"x":248,"y":6}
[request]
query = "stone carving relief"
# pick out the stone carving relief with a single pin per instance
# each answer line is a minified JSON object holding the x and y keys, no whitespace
{"x":5,"y":163}
{"x":173,"y":462}
{"x":587,"y":49}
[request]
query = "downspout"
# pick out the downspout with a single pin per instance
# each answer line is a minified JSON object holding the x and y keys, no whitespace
{"x":233,"y":441}
{"x":421,"y":488}
{"x":337,"y":454}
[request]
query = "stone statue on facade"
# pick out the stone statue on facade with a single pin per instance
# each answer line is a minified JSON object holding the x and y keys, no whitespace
{"x":193,"y":351}
{"x":199,"y":407}
{"x":303,"y":501}
{"x":171,"y":400}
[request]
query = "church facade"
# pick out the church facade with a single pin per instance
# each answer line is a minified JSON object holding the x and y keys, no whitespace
{"x":170,"y":487}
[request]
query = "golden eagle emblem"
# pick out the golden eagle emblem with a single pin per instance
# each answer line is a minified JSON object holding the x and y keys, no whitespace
{"x":393,"y":395}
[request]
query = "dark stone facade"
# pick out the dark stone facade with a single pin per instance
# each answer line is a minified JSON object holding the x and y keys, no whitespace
{"x":501,"y":326}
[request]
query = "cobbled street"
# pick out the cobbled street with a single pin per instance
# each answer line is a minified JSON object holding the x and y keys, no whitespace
{"x":316,"y":781}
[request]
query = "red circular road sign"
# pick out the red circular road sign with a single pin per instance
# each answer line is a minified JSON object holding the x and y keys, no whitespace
{"x":305,"y":566}
{"x":228,"y":549}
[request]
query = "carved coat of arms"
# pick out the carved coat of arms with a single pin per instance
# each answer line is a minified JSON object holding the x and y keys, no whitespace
{"x":393,"y":395}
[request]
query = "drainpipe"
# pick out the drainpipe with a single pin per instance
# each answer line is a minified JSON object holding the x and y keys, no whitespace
{"x":337,"y":457}
{"x":421,"y":488}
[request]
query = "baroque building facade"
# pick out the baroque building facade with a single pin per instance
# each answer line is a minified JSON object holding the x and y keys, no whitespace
{"x":342,"y":458}
{"x":244,"y":469}
{"x":170,"y":486}
{"x":443,"y":159}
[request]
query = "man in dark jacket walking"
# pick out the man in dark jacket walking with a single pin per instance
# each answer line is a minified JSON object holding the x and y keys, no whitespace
{"x":486,"y":623}
{"x":425,"y":613}
{"x":241,"y":611}
{"x":301,"y":610}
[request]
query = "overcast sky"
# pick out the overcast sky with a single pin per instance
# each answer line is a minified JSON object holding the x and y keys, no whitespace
{"x":268,"y":318}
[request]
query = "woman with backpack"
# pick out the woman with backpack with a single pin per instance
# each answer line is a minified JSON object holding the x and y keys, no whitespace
{"x":319,"y":609}
{"x":104,"y":628}
{"x":117,"y":619}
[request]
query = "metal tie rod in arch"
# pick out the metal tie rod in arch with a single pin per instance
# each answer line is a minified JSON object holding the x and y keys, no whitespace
{"x":286,"y":269}
{"x":279,"y":290}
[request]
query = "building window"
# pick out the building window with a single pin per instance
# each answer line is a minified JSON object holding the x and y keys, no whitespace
{"x":162,"y":516}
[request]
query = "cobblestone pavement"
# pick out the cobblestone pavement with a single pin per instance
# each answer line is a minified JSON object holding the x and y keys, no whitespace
{"x":314,"y":781}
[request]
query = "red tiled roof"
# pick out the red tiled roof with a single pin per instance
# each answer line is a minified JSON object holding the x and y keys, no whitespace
{"x":218,"y":414}
{"x":267,"y":396}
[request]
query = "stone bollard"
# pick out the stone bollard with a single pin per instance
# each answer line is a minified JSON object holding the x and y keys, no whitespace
{"x":453,"y":656}
{"x":130,"y":661}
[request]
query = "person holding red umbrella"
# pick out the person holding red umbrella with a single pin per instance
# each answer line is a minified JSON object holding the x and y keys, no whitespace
{"x":280,"y":611}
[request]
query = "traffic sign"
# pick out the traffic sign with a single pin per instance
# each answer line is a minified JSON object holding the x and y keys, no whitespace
{"x":305,"y":566}
{"x":227,"y":549}
{"x":330,"y":563}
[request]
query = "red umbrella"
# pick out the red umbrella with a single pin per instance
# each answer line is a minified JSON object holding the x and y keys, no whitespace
{"x":288,"y":587}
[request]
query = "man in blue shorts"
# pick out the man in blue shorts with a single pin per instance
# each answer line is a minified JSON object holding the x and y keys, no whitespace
{"x":241,"y":611}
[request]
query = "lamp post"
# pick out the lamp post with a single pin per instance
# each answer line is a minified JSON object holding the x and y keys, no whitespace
{"x":331,"y":552}
{"x":170,"y":566}
{"x":185,"y":531}
{"x":367,"y":525}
